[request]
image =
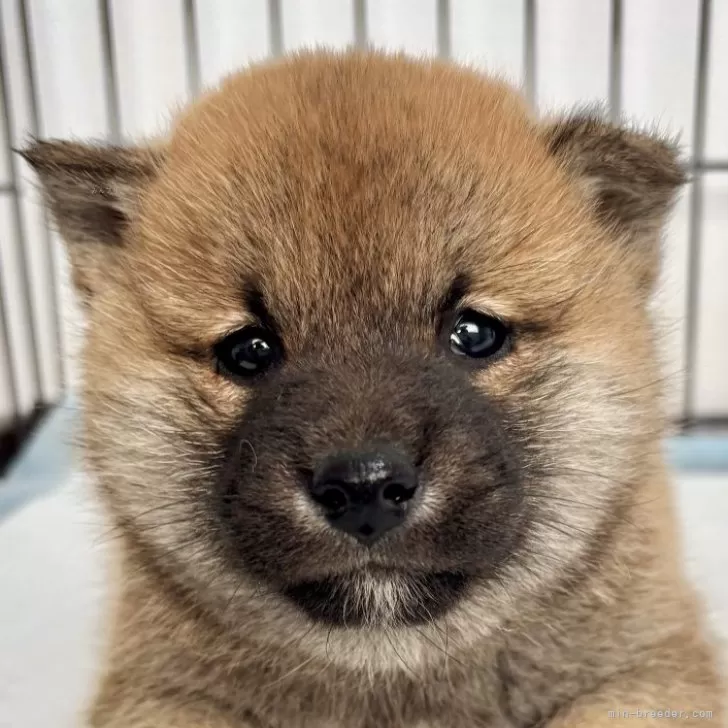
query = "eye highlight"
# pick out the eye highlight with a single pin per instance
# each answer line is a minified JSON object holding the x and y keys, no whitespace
{"x":477,"y":335}
{"x":248,"y":352}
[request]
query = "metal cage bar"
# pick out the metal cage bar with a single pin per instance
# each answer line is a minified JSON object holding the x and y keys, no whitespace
{"x":111,"y":81}
{"x":361,"y":31}
{"x":444,"y":34}
{"x":275,"y":23}
{"x":17,"y":219}
{"x":700,"y":106}
{"x":35,"y":129}
{"x":192,"y":49}
{"x":529,"y":59}
{"x":13,"y":424}
{"x":711,"y":166}
{"x":615,"y":61}
{"x":20,"y":423}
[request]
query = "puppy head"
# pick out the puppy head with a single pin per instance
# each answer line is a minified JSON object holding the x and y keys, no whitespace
{"x":368,"y":345}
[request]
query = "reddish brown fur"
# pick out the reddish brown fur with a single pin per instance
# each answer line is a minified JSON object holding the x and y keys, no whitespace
{"x":326,"y":174}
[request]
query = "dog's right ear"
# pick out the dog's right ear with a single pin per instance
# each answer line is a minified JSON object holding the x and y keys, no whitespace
{"x":93,"y":193}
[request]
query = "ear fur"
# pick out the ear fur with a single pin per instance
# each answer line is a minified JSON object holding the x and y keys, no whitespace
{"x":631,"y":178}
{"x":92,"y":193}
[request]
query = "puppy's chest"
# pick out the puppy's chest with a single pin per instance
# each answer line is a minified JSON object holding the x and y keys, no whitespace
{"x":484,"y":718}
{"x":454,"y":720}
{"x":506,"y":688}
{"x":432,"y":708}
{"x":509,"y":692}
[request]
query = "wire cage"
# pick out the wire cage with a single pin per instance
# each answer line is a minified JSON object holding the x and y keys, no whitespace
{"x":34,"y":350}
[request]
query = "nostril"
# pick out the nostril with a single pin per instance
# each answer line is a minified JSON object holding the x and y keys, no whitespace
{"x":396,"y":494}
{"x":333,"y":498}
{"x":364,"y":493}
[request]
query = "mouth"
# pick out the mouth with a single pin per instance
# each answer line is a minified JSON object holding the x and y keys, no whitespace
{"x":378,"y":597}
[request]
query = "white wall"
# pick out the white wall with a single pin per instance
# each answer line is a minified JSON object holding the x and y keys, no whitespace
{"x":573,"y":51}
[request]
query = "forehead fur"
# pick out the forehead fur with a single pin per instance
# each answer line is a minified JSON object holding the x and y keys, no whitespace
{"x":324,"y":174}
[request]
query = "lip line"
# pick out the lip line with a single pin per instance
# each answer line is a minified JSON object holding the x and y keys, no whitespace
{"x":326,"y":600}
{"x":381,"y":571}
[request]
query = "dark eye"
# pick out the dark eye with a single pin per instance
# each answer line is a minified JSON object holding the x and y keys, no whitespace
{"x":477,"y":335}
{"x":248,"y":352}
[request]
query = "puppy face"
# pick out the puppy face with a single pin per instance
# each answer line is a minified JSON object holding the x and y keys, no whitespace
{"x":367,"y":343}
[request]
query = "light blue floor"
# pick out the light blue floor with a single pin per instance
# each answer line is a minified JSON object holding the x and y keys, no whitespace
{"x":699,"y":452}
{"x":46,"y":462}
{"x":48,"y":458}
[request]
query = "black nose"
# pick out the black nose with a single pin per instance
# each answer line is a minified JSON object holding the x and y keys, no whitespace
{"x":367,"y":493}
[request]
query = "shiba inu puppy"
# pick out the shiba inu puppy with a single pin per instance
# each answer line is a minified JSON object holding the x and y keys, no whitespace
{"x":371,"y":395}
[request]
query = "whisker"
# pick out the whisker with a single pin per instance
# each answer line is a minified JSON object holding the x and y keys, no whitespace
{"x":328,"y":637}
{"x":401,"y":659}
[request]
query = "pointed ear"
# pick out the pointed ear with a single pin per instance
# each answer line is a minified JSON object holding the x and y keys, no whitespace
{"x":92,"y":193}
{"x":630,"y":177}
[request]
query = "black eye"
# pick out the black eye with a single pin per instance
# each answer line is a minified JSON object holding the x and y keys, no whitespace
{"x":248,"y":352}
{"x":477,"y":335}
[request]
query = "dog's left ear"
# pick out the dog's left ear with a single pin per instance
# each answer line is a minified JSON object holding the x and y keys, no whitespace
{"x":630,"y":177}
